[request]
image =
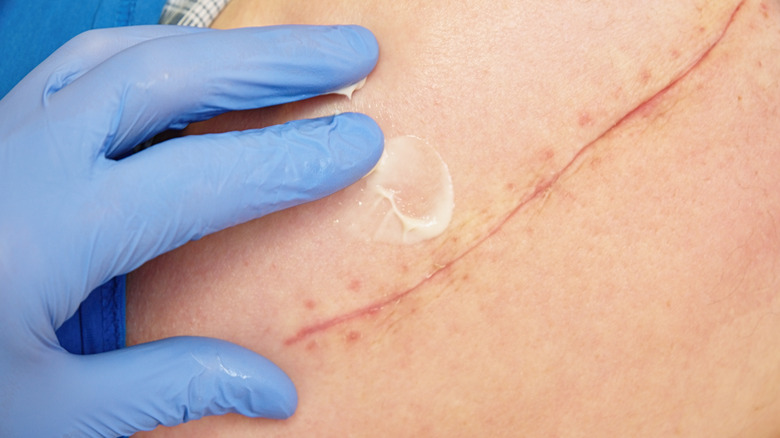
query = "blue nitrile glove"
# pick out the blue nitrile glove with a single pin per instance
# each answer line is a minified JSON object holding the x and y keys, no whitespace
{"x":72,"y":215}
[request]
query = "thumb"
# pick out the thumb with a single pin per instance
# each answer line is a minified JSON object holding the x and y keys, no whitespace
{"x":176,"y":380}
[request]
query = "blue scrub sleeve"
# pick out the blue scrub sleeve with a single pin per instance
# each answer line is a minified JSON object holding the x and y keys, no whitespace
{"x":31,"y":30}
{"x":99,"y":324}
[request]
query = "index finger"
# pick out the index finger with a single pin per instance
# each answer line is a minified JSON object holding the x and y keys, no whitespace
{"x":169,"y":82}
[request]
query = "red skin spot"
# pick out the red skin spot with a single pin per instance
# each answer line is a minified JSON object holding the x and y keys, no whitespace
{"x":311,"y":345}
{"x":353,"y":336}
{"x":764,"y":9}
{"x":355,"y":285}
{"x":310,"y":304}
{"x":585,"y":119}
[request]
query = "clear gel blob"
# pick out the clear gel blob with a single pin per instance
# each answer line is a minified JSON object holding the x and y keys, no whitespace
{"x":407,"y":198}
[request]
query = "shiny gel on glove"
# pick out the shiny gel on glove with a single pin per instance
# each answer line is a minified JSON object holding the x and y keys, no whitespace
{"x":76,"y":208}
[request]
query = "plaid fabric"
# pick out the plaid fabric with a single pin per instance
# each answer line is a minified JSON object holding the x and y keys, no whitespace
{"x":196,"y":13}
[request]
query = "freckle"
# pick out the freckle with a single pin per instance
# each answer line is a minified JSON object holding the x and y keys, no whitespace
{"x":702,"y":29}
{"x":355,"y":285}
{"x":510,"y":187}
{"x":353,"y":336}
{"x":465,"y":277}
{"x":310,"y":304}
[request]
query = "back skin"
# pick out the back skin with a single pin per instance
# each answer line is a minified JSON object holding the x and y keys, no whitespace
{"x":611,"y":267}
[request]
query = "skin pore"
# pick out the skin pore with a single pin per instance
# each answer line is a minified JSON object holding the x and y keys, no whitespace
{"x":610,"y":267}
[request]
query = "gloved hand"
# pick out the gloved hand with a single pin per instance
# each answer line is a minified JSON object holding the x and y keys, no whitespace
{"x":76,"y":209}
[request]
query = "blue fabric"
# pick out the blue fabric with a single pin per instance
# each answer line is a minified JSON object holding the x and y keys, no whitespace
{"x":31,"y":30}
{"x":99,"y":324}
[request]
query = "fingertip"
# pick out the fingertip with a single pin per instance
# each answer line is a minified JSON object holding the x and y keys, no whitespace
{"x":366,"y":137}
{"x":272,"y":394}
{"x":363,"y":42}
{"x":286,"y":400}
{"x":231,"y":378}
{"x":320,"y":156}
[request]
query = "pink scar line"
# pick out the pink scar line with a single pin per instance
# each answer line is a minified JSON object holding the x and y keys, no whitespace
{"x":541,"y":188}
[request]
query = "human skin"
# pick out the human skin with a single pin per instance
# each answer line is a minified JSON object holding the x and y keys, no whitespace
{"x":611,"y":265}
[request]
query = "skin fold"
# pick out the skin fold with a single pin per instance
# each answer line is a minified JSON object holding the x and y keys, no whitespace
{"x":611,"y":265}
